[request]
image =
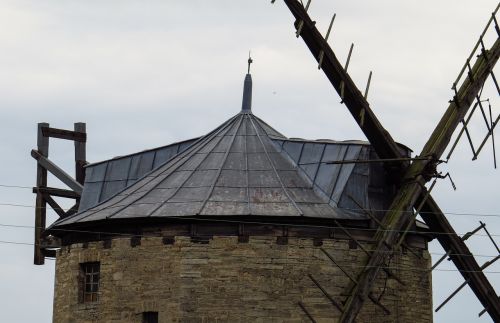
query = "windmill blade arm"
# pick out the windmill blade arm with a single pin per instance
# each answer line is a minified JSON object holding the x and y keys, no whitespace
{"x":381,"y":140}
{"x":386,"y":147}
{"x":416,"y":176}
{"x":467,"y":265}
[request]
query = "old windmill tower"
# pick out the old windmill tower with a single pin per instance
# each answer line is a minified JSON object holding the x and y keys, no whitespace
{"x":245,"y":224}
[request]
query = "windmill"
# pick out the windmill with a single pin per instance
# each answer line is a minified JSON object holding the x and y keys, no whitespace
{"x":412,"y":174}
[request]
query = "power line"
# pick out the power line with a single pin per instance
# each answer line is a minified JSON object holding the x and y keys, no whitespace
{"x":347,"y":209}
{"x":16,"y":186}
{"x":346,"y":264}
{"x":287,"y":224}
{"x":153,"y":235}
{"x":341,"y":208}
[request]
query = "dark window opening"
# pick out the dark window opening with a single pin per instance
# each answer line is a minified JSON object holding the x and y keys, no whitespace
{"x":89,"y":281}
{"x":150,"y":317}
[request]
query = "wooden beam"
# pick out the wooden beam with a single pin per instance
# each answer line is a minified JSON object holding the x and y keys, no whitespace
{"x":56,"y":171}
{"x":55,"y":206}
{"x":386,"y":147}
{"x":57,"y":192}
{"x":78,"y":136}
{"x":40,"y":204}
{"x":379,"y":137}
{"x":72,"y":210}
{"x":412,"y":189}
{"x":80,"y":154}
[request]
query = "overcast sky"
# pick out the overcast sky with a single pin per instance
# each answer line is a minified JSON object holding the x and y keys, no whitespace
{"x":143,"y":74}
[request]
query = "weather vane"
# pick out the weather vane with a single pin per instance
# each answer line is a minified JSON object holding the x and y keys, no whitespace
{"x":250,"y":61}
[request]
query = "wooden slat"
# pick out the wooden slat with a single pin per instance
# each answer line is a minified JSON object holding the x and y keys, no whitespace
{"x":78,"y":136}
{"x":414,"y":180}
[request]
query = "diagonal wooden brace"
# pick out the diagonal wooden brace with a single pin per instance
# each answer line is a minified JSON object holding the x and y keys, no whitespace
{"x":57,"y":172}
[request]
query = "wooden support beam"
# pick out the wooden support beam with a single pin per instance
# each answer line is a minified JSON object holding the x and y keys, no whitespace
{"x":40,"y":204}
{"x":55,"y":206}
{"x":72,"y":210}
{"x":354,"y":100}
{"x":386,"y":147}
{"x":327,"y":295}
{"x":57,"y":192}
{"x":56,"y":171}
{"x":414,"y":180}
{"x":80,"y":154}
{"x":309,"y":316}
{"x":43,"y":193}
{"x":78,"y":136}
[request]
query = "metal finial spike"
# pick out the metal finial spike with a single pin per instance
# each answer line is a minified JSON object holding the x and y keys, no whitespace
{"x":250,"y":61}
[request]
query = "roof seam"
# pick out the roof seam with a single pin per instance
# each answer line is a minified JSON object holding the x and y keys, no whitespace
{"x":275,"y":171}
{"x":319,"y":165}
{"x":246,"y":169}
{"x":187,"y":178}
{"x":210,"y":191}
{"x":178,"y":143}
{"x":202,"y":141}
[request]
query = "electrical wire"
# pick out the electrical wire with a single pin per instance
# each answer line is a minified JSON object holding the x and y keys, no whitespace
{"x":16,"y":186}
{"x":156,"y":235}
{"x":341,"y":208}
{"x":295,"y":225}
{"x":344,"y":265}
{"x":347,"y":209}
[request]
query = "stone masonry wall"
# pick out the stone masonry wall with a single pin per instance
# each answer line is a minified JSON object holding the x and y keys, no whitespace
{"x":228,"y":281}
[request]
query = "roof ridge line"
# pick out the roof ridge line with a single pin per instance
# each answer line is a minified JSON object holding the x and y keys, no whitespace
{"x":275,"y":171}
{"x":226,"y":128}
{"x":221,"y":166}
{"x":198,"y":142}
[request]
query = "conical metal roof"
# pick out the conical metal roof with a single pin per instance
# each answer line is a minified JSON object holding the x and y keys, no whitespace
{"x":243,"y":168}
{"x":237,"y":169}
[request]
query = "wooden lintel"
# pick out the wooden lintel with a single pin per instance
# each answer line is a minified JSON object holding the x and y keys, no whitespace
{"x":57,"y":192}
{"x":64,"y":134}
{"x":56,"y":171}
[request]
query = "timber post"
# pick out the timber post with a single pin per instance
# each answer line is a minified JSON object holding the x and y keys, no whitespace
{"x":41,"y":204}
{"x":44,"y":194}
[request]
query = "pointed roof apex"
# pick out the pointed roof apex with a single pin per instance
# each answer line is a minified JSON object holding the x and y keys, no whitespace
{"x":246,"y":106}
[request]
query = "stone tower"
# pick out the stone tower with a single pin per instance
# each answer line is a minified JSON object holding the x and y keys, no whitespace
{"x":240,"y":225}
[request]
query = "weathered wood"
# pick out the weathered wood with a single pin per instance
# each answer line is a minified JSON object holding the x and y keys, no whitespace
{"x":51,"y":253}
{"x":56,"y":171}
{"x":412,"y":189}
{"x":72,"y":210}
{"x":54,"y":205}
{"x":80,"y":154}
{"x":354,"y":100}
{"x":327,"y":295}
{"x":386,"y":147}
{"x":57,"y":192}
{"x":79,"y":136}
{"x":301,"y":305}
{"x":40,"y":204}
